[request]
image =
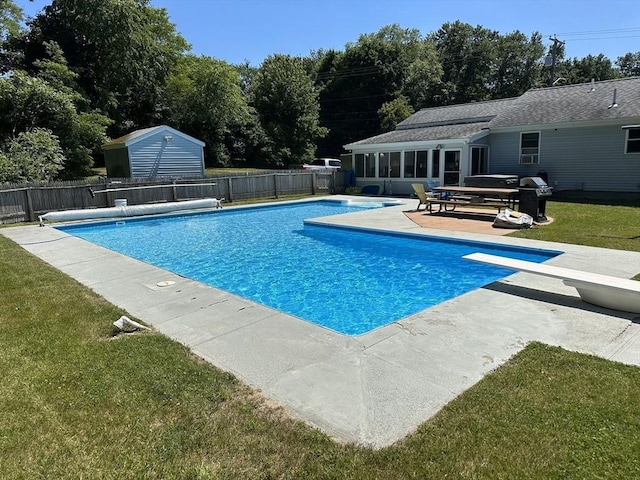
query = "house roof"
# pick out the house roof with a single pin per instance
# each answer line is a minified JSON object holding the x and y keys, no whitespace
{"x":465,"y":113}
{"x":589,"y":102}
{"x":586,"y":102}
{"x":137,"y":135}
{"x":434,"y":133}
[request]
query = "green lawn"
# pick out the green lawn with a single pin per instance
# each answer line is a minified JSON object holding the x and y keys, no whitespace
{"x":77,"y":402}
{"x":597,"y":225}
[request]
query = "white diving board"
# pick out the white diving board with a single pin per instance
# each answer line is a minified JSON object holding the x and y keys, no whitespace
{"x":602,"y":290}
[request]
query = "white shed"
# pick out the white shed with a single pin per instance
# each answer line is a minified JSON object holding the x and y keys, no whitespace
{"x":159,"y":151}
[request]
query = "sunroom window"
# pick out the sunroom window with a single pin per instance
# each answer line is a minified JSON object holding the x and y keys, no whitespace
{"x":530,"y":148}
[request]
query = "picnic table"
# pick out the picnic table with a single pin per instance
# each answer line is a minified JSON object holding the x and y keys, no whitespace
{"x":449,"y":197}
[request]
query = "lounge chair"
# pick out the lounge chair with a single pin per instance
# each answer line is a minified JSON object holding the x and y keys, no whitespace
{"x":423,"y":195}
{"x":602,"y":290}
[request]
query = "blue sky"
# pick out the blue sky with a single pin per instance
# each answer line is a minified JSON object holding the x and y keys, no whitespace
{"x":238,"y":30}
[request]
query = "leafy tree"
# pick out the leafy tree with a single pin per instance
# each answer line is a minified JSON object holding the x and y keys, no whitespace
{"x":629,"y":64}
{"x":517,"y":66}
{"x":378,"y":68}
{"x":10,"y":32}
{"x":287,"y":105}
{"x":48,"y":101}
{"x":205,"y":99}
{"x":121,"y":50}
{"x":467,"y":55}
{"x":422,"y":76}
{"x":583,"y":70}
{"x":247,"y":75}
{"x":33,"y":156}
{"x":10,"y":18}
{"x":393,"y":112}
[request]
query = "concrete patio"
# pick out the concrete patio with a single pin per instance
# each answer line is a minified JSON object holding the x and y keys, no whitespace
{"x":375,"y":388}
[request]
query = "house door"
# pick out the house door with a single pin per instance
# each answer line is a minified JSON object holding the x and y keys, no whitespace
{"x":451,"y":167}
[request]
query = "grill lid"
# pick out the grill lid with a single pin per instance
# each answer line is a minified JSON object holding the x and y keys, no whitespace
{"x":535,"y":182}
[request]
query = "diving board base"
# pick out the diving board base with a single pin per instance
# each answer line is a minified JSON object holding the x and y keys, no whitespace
{"x":607,"y":297}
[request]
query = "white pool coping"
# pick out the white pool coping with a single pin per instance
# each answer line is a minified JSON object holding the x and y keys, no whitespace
{"x":374,"y":388}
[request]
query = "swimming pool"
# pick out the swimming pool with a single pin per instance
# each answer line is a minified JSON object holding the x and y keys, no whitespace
{"x":347,"y":280}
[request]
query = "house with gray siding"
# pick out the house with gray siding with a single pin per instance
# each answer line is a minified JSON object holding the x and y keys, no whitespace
{"x":586,"y":137}
{"x":159,"y":151}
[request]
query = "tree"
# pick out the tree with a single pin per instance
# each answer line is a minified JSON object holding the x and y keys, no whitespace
{"x":10,"y":18}
{"x":33,"y":156}
{"x":467,"y":55}
{"x":585,"y":69}
{"x":378,"y":68}
{"x":205,"y":99}
{"x":10,"y":30}
{"x":287,"y":105}
{"x":629,"y":64}
{"x":393,"y":112}
{"x":517,"y":66}
{"x":49,"y":101}
{"x":121,"y":51}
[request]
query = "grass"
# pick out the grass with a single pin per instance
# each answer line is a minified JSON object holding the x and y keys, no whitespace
{"x":608,"y":226}
{"x":78,"y":402}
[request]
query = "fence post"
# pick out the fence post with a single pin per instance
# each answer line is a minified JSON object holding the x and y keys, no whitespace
{"x":314,"y":183}
{"x":30,"y":216}
{"x":275,"y":185}
{"x":229,"y":189}
{"x":175,"y":192}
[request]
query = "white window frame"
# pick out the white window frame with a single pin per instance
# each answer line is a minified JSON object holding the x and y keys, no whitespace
{"x":635,"y":140}
{"x":533,"y":158}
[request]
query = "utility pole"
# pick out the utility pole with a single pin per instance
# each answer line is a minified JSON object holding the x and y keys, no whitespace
{"x":554,"y":53}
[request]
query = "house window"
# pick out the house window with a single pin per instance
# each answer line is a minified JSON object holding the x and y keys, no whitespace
{"x":529,"y":148}
{"x":383,"y":165}
{"x":479,"y":160}
{"x":633,"y":140}
{"x":435,"y":163}
{"x":394,"y":164}
{"x":370,"y":165}
{"x":409,"y":164}
{"x":359,"y":161}
{"x":421,"y":165}
{"x":389,"y":165}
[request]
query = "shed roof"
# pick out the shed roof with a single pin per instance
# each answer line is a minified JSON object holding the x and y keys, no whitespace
{"x":137,"y":135}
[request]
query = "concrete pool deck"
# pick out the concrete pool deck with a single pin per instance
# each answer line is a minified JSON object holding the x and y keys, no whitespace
{"x":374,"y":388}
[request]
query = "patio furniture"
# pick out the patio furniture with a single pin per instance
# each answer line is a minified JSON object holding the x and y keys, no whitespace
{"x":424,"y":197}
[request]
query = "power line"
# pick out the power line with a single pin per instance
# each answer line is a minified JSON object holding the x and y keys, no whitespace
{"x":592,"y":32}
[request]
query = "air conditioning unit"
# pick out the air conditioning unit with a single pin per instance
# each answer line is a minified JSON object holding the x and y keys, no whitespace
{"x":529,"y":159}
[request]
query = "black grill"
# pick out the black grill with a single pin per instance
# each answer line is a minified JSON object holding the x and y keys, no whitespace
{"x":532,"y":198}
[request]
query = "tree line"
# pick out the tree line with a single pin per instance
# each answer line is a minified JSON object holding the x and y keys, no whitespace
{"x":83,"y":71}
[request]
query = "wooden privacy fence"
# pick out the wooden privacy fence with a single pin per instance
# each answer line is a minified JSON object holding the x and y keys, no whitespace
{"x":25,"y":202}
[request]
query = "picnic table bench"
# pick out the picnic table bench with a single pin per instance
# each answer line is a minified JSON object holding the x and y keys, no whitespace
{"x":448,"y":198}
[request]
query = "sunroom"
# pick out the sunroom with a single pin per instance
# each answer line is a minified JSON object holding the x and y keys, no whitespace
{"x":443,"y":154}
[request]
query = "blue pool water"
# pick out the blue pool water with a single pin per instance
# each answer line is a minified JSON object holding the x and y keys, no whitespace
{"x":347,"y":280}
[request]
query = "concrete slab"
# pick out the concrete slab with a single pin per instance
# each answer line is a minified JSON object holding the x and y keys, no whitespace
{"x":374,"y":388}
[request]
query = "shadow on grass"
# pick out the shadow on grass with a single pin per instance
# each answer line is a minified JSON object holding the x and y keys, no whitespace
{"x":615,"y":199}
